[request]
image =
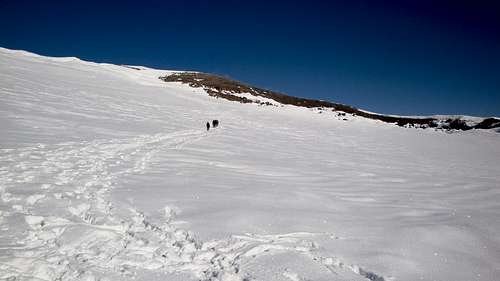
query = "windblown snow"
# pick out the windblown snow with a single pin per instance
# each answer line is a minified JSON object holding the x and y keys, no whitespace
{"x":108,"y":173}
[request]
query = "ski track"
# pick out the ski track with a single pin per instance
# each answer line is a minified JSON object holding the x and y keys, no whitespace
{"x":83,"y":236}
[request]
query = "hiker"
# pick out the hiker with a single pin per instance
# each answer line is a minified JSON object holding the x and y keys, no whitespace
{"x":215,"y":123}
{"x":208,"y":126}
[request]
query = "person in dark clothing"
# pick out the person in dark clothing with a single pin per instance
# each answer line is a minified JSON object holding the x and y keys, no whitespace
{"x":208,"y":126}
{"x":215,"y":123}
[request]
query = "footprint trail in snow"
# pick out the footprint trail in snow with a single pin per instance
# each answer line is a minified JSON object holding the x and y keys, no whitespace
{"x":72,"y":230}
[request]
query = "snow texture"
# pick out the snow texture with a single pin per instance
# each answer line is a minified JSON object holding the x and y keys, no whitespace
{"x":108,"y":173}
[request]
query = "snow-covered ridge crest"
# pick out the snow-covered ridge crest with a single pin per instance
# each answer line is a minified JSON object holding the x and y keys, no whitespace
{"x":33,"y":55}
{"x":78,"y":61}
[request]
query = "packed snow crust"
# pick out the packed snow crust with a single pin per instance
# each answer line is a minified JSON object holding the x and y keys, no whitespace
{"x":108,"y":173}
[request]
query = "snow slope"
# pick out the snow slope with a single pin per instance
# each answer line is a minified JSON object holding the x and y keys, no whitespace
{"x":108,"y":173}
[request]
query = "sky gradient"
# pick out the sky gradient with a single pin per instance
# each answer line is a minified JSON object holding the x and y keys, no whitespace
{"x":399,"y":57}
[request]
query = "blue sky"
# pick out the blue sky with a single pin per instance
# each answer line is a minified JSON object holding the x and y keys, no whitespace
{"x":396,"y":57}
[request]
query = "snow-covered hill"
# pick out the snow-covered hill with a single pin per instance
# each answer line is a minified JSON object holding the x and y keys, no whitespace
{"x":222,"y":87}
{"x":108,"y":173}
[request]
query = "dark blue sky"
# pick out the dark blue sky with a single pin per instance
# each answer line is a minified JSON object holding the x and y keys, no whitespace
{"x":398,"y":57}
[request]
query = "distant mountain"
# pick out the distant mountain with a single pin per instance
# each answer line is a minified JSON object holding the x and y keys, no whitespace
{"x":222,"y":87}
